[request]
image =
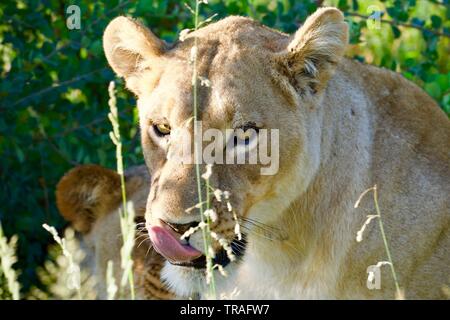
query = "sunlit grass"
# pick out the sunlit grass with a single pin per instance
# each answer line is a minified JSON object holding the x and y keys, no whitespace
{"x":8,"y":259}
{"x":127,"y":225}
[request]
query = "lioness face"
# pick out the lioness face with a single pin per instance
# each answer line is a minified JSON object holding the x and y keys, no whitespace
{"x":250,"y":78}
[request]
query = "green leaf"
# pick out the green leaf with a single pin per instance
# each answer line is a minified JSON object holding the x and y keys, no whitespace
{"x":433,"y":89}
{"x":393,"y":12}
{"x":343,"y":5}
{"x":436,"y":22}
{"x":417,"y":22}
{"x":396,"y":31}
{"x":20,"y":154}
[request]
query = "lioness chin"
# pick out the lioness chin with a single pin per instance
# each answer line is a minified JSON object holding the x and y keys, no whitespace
{"x":343,"y":127}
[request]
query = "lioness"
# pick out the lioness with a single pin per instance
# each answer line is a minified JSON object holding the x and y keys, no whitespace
{"x":343,"y":127}
{"x":89,"y":197}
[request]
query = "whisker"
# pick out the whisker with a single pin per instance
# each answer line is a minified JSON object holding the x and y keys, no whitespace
{"x":146,"y":239}
{"x":256,"y":229}
{"x":148,"y":250}
{"x":238,"y":249}
{"x":238,"y":252}
{"x":266,"y":236}
{"x":240,"y":245}
{"x":256,"y":222}
{"x":291,"y":245}
{"x":140,"y":236}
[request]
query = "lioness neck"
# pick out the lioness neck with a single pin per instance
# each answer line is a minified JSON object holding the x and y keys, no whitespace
{"x":356,"y":134}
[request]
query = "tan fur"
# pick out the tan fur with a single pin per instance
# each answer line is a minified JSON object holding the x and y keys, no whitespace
{"x":89,"y":196}
{"x":344,"y":127}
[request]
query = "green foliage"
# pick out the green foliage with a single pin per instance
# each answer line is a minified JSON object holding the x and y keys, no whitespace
{"x":53,"y":90}
{"x":413,"y":39}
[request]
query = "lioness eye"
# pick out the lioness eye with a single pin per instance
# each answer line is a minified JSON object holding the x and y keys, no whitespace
{"x":245,"y":134}
{"x":161,"y":129}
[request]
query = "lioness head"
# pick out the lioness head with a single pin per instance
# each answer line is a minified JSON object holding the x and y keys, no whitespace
{"x":256,"y":78}
{"x":89,"y":197}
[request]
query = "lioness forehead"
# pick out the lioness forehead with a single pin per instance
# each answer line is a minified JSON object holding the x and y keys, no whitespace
{"x":240,"y":30}
{"x":231,"y":57}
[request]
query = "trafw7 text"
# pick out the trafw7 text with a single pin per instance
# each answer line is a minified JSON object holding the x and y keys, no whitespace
{"x":229,"y":309}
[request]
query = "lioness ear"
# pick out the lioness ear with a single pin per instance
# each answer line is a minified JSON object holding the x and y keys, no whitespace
{"x":130,"y":48}
{"x":86,"y":193}
{"x":315,"y":50}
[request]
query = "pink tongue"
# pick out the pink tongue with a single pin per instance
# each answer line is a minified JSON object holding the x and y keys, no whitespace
{"x":170,"y":247}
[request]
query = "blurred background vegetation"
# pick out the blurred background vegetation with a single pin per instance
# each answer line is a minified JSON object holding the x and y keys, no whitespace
{"x":53,"y":90}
